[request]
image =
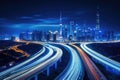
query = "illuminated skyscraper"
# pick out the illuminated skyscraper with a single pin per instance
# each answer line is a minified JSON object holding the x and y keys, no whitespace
{"x":36,"y":35}
{"x":72,"y":28}
{"x":97,"y":29}
{"x":98,"y":19}
{"x":22,"y":36}
{"x":61,"y":30}
{"x":60,"y":24}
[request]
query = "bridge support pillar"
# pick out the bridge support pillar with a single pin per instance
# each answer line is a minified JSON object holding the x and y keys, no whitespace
{"x":106,"y":67}
{"x":56,"y":65}
{"x":36,"y":77}
{"x":61,"y":59}
{"x":48,"y":71}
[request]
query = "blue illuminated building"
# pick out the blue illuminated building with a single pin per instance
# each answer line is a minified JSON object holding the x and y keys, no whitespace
{"x":25,"y":35}
{"x":5,"y":36}
{"x":37,"y":35}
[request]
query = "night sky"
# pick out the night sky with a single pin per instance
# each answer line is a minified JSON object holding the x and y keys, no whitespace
{"x":18,"y":15}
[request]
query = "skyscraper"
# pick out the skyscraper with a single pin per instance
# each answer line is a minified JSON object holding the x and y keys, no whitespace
{"x":61,"y":30}
{"x":72,"y":28}
{"x":22,"y":36}
{"x":60,"y":24}
{"x":97,"y":28}
{"x":37,"y":35}
{"x":98,"y":19}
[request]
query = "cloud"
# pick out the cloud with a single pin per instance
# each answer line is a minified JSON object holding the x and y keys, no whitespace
{"x":30,"y":21}
{"x":47,"y":21}
{"x":26,"y":17}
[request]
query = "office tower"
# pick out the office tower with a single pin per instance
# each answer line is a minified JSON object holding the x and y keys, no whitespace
{"x":97,"y":19}
{"x":60,"y":24}
{"x":71,"y":33}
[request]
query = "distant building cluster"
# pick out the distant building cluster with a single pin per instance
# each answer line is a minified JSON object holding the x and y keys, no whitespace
{"x":71,"y":32}
{"x":68,"y":33}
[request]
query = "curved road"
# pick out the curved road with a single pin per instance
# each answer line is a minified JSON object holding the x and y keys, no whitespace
{"x":104,"y":60}
{"x":93,"y":72}
{"x":10,"y":71}
{"x":74,"y":70}
{"x":38,"y":65}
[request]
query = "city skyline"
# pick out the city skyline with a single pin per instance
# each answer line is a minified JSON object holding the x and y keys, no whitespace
{"x":14,"y":17}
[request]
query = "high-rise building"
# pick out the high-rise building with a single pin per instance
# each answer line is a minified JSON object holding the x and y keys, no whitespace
{"x":13,"y":38}
{"x":25,"y":35}
{"x":60,"y":24}
{"x":48,"y":35}
{"x":65,"y":32}
{"x":97,"y":28}
{"x":37,"y":35}
{"x":55,"y":36}
{"x":71,"y":33}
{"x":22,"y":36}
{"x":98,"y":19}
{"x":61,"y":29}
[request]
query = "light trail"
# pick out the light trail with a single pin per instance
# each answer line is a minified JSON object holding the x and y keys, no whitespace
{"x":107,"y":61}
{"x":40,"y":60}
{"x":10,"y":71}
{"x":94,"y":72}
{"x":74,"y":70}
{"x":31,"y":65}
{"x":42,"y":64}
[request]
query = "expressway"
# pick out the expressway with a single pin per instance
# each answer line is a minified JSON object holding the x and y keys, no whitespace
{"x":15,"y":68}
{"x":93,"y":72}
{"x":104,"y":60}
{"x":75,"y":69}
{"x":49,"y":56}
{"x":38,"y":65}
